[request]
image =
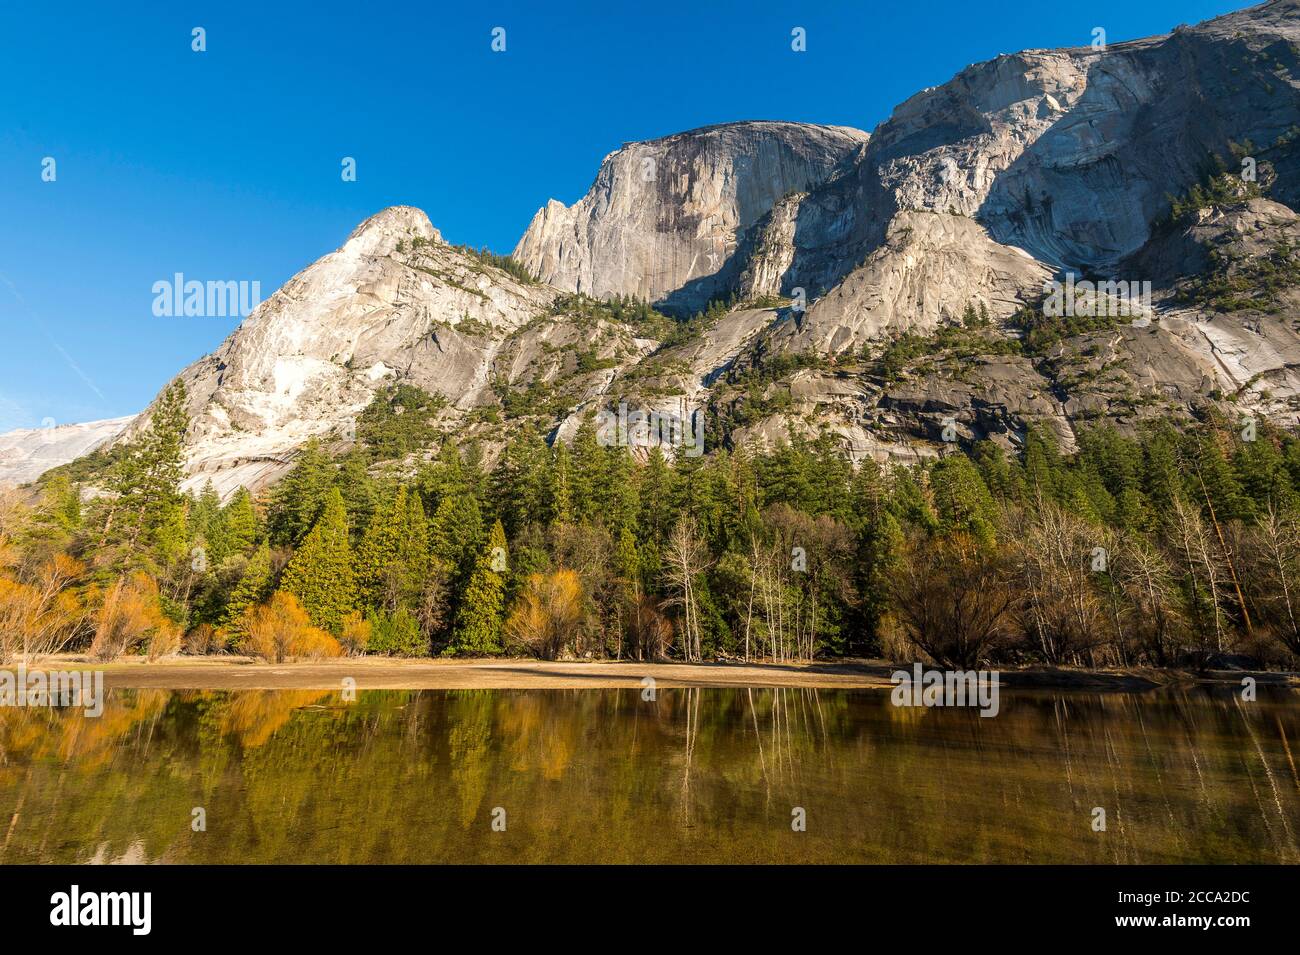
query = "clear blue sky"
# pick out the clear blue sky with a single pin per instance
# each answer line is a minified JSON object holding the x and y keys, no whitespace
{"x":225,"y":164}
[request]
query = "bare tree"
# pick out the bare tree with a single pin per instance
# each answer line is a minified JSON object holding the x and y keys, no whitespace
{"x":1147,"y":598}
{"x":684,"y":560}
{"x":1061,"y":609}
{"x":953,"y":599}
{"x":1274,"y":553}
{"x":1202,"y":576}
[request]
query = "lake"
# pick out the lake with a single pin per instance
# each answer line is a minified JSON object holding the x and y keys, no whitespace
{"x":693,"y":775}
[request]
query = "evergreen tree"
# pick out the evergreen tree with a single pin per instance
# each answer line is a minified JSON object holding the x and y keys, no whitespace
{"x":240,"y":520}
{"x":320,"y":574}
{"x":589,"y":482}
{"x":444,"y":477}
{"x":415,"y":554}
{"x":620,"y":509}
{"x":298,"y":499}
{"x":205,"y":524}
{"x":147,"y":512}
{"x":962,"y":501}
{"x":254,"y":587}
{"x":1040,"y":461}
{"x":519,"y":481}
{"x":379,"y":555}
{"x":478,"y":621}
{"x":455,"y":532}
{"x":559,"y":486}
{"x":656,"y":499}
{"x":358,"y":490}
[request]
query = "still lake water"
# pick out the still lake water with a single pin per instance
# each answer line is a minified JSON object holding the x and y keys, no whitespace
{"x":706,"y":775}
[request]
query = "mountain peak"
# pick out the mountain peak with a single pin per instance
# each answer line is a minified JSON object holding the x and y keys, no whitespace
{"x":379,"y":234}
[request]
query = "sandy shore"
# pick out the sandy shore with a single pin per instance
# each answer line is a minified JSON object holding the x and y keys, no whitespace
{"x":378,"y":673}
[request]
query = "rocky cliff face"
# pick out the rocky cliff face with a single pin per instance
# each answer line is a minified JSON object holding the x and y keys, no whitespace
{"x":663,"y":219}
{"x":394,"y":302}
{"x":1069,"y":155}
{"x":28,"y":453}
{"x":930,"y":266}
{"x":965,"y":203}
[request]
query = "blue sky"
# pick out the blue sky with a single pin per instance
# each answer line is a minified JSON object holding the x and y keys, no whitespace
{"x":225,"y":165}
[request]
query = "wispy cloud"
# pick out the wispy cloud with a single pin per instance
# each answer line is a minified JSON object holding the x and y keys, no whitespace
{"x":86,"y":379}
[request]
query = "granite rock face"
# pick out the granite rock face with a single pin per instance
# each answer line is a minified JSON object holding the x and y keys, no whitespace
{"x":1069,"y":155}
{"x":929,"y":268}
{"x":28,"y":453}
{"x":394,"y":302}
{"x":664,"y":218}
{"x":839,"y":245}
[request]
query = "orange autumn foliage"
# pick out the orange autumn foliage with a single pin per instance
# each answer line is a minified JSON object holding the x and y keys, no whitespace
{"x":132,"y":615}
{"x":38,"y":611}
{"x":280,"y":629}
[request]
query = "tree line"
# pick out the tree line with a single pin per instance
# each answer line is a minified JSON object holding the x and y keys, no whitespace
{"x":1175,"y":545}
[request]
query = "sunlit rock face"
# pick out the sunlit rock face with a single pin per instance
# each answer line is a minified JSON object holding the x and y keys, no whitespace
{"x":975,"y":193}
{"x":393,"y":302}
{"x":664,"y":218}
{"x":1069,"y":155}
{"x":28,"y":453}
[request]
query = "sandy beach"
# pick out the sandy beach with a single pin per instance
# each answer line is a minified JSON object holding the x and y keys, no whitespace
{"x":383,"y":673}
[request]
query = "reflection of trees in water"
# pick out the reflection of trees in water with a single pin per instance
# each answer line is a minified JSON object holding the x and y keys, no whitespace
{"x":28,"y":732}
{"x":695,"y":774}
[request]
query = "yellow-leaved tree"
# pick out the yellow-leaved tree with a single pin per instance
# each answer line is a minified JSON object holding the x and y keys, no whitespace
{"x":546,"y":613}
{"x":281,"y":628}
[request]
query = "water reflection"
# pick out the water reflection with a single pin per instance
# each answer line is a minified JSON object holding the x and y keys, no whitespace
{"x":695,"y":775}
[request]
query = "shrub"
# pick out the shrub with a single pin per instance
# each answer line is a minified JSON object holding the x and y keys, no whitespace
{"x":396,"y":634}
{"x":953,"y":599}
{"x":39,"y":613}
{"x":203,"y":639}
{"x":132,"y":615}
{"x":546,"y":613}
{"x":280,"y":629}
{"x":355,"y":634}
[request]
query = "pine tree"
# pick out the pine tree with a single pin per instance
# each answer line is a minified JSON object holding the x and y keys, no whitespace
{"x":320,"y":574}
{"x":478,"y":620}
{"x":456,"y":531}
{"x":206,"y":525}
{"x":415,"y":554}
{"x":240,"y":522}
{"x":379,"y":555}
{"x":519,"y":481}
{"x":961,"y":499}
{"x":620,"y":510}
{"x":147,"y":510}
{"x":444,"y":477}
{"x":656,"y":499}
{"x":297,"y":500}
{"x":559,"y":486}
{"x":253,"y":588}
{"x":357,"y":488}
{"x":589,"y":480}
{"x":1040,"y":463}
